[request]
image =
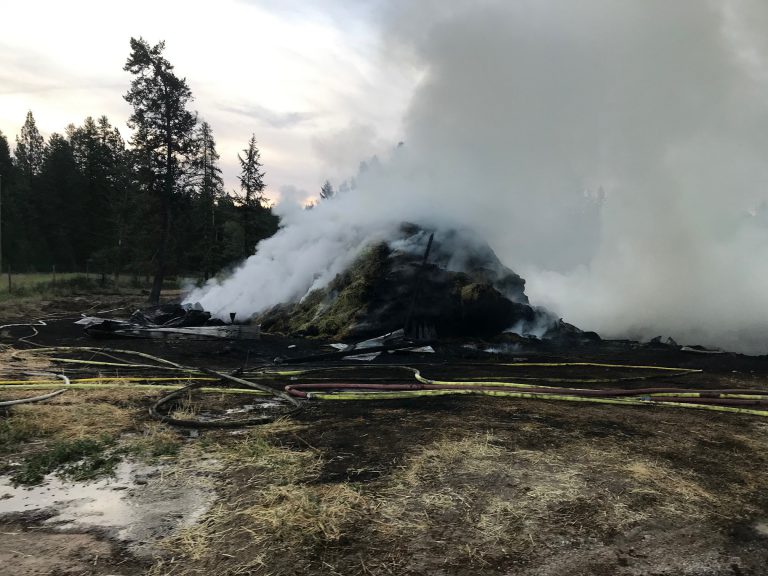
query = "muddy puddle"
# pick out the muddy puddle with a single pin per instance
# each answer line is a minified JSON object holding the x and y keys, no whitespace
{"x":139,"y":505}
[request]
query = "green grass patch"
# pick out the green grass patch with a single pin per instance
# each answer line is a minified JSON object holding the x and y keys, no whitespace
{"x":78,"y":460}
{"x":30,"y":285}
{"x":14,"y":430}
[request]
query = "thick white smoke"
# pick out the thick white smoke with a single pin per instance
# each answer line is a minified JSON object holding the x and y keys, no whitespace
{"x":613,"y":153}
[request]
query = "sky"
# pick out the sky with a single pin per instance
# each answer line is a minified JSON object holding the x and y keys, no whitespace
{"x":308,"y":78}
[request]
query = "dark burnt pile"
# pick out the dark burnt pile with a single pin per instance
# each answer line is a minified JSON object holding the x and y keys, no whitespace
{"x":461,"y":290}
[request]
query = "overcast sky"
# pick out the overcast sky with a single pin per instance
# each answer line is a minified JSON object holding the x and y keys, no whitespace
{"x":309,"y":78}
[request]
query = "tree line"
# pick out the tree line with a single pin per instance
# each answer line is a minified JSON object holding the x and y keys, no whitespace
{"x":156,"y":205}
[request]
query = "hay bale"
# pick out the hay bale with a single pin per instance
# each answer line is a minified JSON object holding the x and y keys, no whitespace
{"x":464,"y":291}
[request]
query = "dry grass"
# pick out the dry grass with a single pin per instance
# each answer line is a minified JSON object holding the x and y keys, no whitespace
{"x":653,"y":478}
{"x":121,"y":396}
{"x":72,"y":416}
{"x":474,"y":496}
{"x":12,"y":365}
{"x":462,"y":490}
{"x":498,"y":519}
{"x":475,"y":454}
{"x":241,"y":536}
{"x":256,"y":451}
{"x":186,"y":409}
{"x":501,"y":501}
{"x":301,"y":514}
{"x":277,"y":510}
{"x":155,"y":440}
{"x":108,"y":420}
{"x":72,"y":435}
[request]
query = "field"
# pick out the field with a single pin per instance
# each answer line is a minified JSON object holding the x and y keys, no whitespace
{"x":429,"y":486}
{"x":46,"y":285}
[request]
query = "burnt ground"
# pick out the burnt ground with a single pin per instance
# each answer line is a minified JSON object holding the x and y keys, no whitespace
{"x":440,"y":486}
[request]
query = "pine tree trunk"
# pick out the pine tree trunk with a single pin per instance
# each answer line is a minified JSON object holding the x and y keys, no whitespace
{"x":247,"y":226}
{"x":157,"y":282}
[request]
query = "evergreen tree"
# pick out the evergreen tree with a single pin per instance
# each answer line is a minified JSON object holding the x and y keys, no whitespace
{"x":163,"y":132}
{"x":86,"y":153}
{"x":101,"y":158}
{"x":30,"y":148}
{"x":6,"y":200}
{"x":6,"y":164}
{"x":29,"y":154}
{"x":252,"y":185}
{"x":251,"y":177}
{"x":327,"y":192}
{"x":204,"y":172}
{"x":229,"y":231}
{"x":115,"y":191}
{"x":205,"y":177}
{"x":144,"y":220}
{"x":55,"y":197}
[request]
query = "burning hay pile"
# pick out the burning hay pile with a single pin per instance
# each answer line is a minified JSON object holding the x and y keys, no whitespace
{"x":443,"y":284}
{"x":455,"y":286}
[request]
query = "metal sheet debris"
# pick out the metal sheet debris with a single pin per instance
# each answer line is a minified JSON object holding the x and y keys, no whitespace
{"x":169,"y":322}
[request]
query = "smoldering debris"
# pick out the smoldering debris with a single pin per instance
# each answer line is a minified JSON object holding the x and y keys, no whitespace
{"x":441,"y":283}
{"x":461,"y":290}
{"x":169,"y":321}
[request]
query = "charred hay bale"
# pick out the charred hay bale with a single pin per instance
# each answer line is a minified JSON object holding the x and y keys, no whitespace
{"x":337,"y":310}
{"x":486,"y":311}
{"x":462,"y":290}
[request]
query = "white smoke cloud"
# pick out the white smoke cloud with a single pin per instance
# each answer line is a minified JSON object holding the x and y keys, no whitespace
{"x":306,"y":253}
{"x":342,"y":150}
{"x":527,"y":115}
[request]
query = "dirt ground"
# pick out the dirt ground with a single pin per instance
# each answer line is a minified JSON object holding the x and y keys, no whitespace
{"x":431,"y":486}
{"x":27,"y":549}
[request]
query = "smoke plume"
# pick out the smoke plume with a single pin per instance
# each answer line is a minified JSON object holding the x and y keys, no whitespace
{"x":615,"y":154}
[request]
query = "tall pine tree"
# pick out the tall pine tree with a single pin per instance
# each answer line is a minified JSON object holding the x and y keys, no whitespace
{"x":327,"y":192}
{"x":55,"y":196}
{"x":30,"y":154}
{"x":7,"y":206}
{"x":163,"y":132}
{"x":116,"y":190}
{"x":101,"y":158}
{"x":209,"y":187}
{"x":6,"y":164}
{"x":252,"y":185}
{"x":30,"y":149}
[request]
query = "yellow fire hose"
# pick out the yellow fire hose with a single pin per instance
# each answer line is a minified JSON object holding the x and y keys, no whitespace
{"x":475,"y":386}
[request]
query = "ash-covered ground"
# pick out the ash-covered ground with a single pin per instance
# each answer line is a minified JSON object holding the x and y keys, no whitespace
{"x":450,"y":485}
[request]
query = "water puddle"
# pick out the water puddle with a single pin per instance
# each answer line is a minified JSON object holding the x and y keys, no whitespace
{"x":248,"y":408}
{"x":263,"y":408}
{"x":140,"y":505}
